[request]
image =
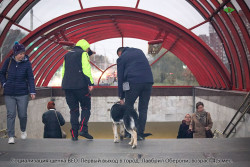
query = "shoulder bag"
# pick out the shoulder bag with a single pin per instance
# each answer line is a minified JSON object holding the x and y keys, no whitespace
{"x":1,"y":86}
{"x":209,"y":133}
{"x":63,"y":133}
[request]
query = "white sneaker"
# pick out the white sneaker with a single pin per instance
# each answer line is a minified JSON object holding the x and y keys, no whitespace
{"x":11,"y":140}
{"x":23,"y":135}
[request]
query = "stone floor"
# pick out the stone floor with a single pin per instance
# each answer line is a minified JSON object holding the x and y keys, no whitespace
{"x":103,"y":152}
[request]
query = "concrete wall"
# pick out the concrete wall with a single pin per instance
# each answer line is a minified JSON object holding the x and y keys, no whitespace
{"x":161,"y":109}
{"x":34,"y":126}
{"x":165,"y":105}
{"x":3,"y":116}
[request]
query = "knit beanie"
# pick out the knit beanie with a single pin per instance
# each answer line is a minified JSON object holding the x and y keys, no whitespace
{"x":51,"y":105}
{"x":18,"y":48}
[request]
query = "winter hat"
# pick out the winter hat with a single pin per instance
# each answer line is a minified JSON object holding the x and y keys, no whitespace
{"x":18,"y":48}
{"x":51,"y":105}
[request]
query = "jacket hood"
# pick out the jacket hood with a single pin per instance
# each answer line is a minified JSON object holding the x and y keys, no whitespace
{"x":83,"y":44}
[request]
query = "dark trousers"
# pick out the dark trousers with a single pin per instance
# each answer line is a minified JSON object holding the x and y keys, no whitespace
{"x":73,"y":98}
{"x":143,"y":91}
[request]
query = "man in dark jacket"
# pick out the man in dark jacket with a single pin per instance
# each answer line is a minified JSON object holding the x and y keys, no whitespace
{"x":133,"y":68}
{"x":78,"y":83}
{"x":17,"y":79}
{"x":53,"y":120}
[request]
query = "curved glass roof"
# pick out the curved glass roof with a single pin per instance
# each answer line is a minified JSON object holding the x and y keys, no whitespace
{"x":179,"y":11}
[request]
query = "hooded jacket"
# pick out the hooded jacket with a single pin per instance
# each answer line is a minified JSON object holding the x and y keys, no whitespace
{"x":20,"y":79}
{"x":76,"y":72}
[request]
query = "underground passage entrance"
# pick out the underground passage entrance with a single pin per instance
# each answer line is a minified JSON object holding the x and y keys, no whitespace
{"x":197,"y":51}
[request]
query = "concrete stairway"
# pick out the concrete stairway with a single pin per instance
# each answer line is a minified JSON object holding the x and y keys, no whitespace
{"x":103,"y":152}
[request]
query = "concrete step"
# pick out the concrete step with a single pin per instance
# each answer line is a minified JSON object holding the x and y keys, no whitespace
{"x":103,"y":130}
{"x":103,"y":152}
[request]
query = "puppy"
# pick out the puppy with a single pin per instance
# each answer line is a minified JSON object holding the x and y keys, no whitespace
{"x":126,"y":118}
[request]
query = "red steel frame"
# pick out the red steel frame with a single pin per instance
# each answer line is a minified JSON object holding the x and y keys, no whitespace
{"x":136,"y":23}
{"x":237,"y":68}
{"x":94,"y":38}
{"x":42,"y":64}
{"x":229,"y":38}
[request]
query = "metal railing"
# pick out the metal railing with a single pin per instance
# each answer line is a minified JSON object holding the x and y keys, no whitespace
{"x":243,"y":109}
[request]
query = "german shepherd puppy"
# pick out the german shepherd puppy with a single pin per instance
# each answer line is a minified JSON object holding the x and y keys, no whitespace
{"x":126,"y":118}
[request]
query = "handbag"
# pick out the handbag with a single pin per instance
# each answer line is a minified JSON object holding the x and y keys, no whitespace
{"x":209,"y":133}
{"x":63,"y":133}
{"x":1,"y":86}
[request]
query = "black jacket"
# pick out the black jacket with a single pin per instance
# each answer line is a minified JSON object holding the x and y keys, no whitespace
{"x":184,"y":132}
{"x":52,"y":128}
{"x":133,"y":66}
{"x":73,"y":77}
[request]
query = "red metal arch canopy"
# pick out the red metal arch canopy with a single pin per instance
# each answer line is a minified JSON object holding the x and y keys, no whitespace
{"x":232,"y":30}
{"x":95,"y":24}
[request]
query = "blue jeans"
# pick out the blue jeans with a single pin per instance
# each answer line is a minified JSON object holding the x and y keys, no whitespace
{"x":19,"y":104}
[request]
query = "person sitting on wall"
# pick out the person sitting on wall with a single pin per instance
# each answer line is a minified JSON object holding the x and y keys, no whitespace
{"x":53,"y":120}
{"x":184,"y":131}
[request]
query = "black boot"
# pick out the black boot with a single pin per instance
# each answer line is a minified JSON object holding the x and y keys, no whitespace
{"x":73,"y":135}
{"x":84,"y":124}
{"x":127,"y":135}
{"x":139,"y":138}
{"x":74,"y":116}
{"x":86,"y":135}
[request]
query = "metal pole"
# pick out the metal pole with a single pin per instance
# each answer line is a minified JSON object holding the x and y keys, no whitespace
{"x":31,"y":19}
{"x":122,"y":41}
{"x":1,"y":52}
{"x":193,"y":99}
